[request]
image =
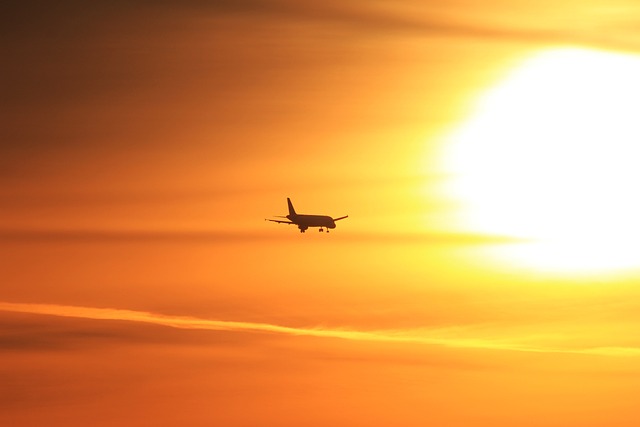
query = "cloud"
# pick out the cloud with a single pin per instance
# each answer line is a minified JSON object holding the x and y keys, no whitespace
{"x":457,"y":337}
{"x":71,"y":16}
{"x":127,"y":235}
{"x":124,"y":235}
{"x":437,"y":20}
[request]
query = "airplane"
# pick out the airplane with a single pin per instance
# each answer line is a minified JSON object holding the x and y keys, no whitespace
{"x":305,"y":221}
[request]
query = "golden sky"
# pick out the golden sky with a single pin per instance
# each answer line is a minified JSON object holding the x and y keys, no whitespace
{"x":484,"y":152}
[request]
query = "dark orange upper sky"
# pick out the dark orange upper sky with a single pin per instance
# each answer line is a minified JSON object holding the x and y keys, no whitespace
{"x":158,"y":105}
{"x":144,"y":142}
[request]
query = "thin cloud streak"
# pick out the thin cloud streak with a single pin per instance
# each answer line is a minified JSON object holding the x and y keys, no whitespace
{"x":225,"y":236}
{"x":419,"y":336}
{"x":433,"y":22}
{"x":430,"y":21}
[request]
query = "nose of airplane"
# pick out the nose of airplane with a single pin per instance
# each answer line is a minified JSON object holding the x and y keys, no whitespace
{"x":332,"y":225}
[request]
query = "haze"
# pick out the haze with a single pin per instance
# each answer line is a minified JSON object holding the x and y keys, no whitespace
{"x":143,"y":144}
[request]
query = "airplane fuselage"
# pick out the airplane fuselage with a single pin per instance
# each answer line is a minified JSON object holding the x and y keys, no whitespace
{"x":306,"y":221}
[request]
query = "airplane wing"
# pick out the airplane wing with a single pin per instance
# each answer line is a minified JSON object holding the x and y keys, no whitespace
{"x":342,"y":217}
{"x":279,"y":221}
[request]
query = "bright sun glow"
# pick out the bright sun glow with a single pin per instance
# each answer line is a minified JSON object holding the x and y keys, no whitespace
{"x":552,"y":154}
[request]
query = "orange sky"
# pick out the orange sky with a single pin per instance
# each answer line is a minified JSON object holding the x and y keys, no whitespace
{"x":143,"y":143}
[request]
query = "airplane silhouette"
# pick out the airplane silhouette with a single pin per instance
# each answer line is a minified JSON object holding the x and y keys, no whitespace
{"x":305,"y":221}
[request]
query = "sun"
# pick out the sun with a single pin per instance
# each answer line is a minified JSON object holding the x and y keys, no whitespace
{"x":552,"y":155}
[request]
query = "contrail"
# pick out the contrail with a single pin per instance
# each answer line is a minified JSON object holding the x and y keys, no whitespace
{"x":423,"y":336}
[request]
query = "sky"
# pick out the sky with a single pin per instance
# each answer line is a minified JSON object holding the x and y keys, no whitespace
{"x":484,"y":152}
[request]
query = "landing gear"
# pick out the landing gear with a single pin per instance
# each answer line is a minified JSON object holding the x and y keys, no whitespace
{"x":322,"y":229}
{"x":302,"y":229}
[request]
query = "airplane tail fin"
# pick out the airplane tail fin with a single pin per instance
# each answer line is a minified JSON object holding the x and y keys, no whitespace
{"x":292,"y":211}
